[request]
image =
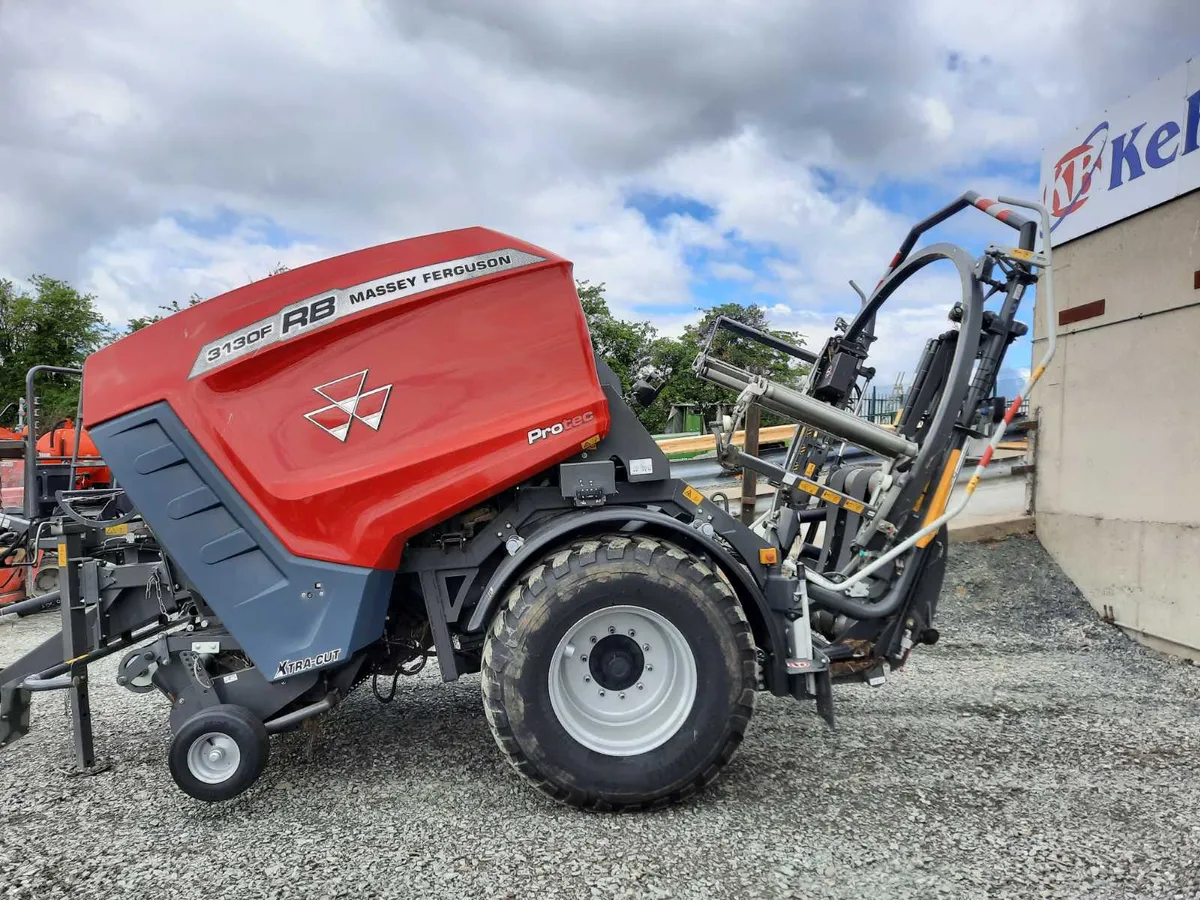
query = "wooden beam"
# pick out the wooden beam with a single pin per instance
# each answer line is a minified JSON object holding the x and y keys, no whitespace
{"x":702,"y":442}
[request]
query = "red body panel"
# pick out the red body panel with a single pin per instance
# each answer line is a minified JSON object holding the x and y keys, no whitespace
{"x":473,"y":368}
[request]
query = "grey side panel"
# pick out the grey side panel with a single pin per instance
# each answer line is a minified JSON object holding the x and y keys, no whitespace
{"x":280,"y":607}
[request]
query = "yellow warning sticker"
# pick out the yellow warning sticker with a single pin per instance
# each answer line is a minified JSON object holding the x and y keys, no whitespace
{"x":830,"y":497}
{"x":117,"y":529}
{"x":809,"y":469}
{"x":1026,"y":255}
{"x":591,"y":443}
{"x":692,"y":494}
{"x":62,"y":555}
{"x":854,"y":506}
{"x":808,"y":487}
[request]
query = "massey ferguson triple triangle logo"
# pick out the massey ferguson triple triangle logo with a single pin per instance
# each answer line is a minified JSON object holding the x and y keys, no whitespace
{"x":348,"y":401}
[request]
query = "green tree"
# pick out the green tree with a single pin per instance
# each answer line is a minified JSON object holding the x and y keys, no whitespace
{"x":627,"y":346}
{"x":685,"y":387}
{"x":619,"y":343}
{"x":54,"y":325}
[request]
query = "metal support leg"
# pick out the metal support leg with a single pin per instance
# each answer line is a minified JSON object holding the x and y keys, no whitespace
{"x":75,"y":645}
{"x":808,"y":669}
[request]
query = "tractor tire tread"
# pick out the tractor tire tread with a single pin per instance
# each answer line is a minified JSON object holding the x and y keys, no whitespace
{"x":654,"y":554}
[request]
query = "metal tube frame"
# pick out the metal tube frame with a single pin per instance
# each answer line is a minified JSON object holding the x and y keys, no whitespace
{"x":958,"y":392}
{"x":31,"y":436}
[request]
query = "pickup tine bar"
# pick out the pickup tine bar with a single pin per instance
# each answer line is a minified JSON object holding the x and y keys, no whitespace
{"x":803,"y":408}
{"x":767,"y":340}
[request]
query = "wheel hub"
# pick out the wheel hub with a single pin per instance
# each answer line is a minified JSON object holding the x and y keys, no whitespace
{"x":616,"y":662}
{"x":622,"y":680}
{"x":213,"y":757}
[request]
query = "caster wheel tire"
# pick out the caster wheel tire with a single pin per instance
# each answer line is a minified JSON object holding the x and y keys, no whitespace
{"x":219,"y":752}
{"x":620,"y":673}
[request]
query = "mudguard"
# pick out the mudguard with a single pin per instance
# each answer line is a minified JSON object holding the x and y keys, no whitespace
{"x":766,"y":625}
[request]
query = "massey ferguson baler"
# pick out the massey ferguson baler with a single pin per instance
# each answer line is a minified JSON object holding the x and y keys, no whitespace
{"x":411,"y":452}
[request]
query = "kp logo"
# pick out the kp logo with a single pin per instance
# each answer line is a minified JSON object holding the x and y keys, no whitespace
{"x":349,"y":402}
{"x":1073,"y":175}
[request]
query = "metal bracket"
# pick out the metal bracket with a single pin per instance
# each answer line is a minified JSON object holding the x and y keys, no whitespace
{"x":1016,"y":254}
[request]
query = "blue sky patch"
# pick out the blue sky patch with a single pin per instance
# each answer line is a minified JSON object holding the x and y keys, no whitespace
{"x":223,"y":222}
{"x":656,"y":208}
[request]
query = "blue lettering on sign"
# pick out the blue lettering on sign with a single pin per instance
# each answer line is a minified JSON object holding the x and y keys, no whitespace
{"x":1161,"y":147}
{"x":1193,"y":123}
{"x":1124,"y":154}
{"x":1154,"y":147}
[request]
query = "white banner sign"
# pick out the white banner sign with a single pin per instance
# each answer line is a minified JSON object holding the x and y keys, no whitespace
{"x":1139,"y":153}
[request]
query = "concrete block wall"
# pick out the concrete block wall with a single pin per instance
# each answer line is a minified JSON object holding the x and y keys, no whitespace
{"x":1117,"y":500}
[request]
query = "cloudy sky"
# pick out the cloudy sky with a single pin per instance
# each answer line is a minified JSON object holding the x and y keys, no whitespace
{"x":684,"y":153}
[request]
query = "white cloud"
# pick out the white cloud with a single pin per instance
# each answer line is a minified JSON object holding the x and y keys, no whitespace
{"x":180,"y":263}
{"x":367,"y":121}
{"x":730,"y":271}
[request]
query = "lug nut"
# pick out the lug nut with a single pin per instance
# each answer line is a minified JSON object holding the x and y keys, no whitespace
{"x":646,"y":647}
{"x":587,"y":679}
{"x":649,"y":668}
{"x":592,"y":639}
{"x":583,"y":658}
{"x":641,"y":686}
{"x":621,"y":695}
{"x":632,"y":632}
{"x":612,"y":629}
{"x":601,"y":692}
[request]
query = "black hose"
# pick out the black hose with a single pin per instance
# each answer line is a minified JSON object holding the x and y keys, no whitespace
{"x":884,"y":606}
{"x":33,"y":604}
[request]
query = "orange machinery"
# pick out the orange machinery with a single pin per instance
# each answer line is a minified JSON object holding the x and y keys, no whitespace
{"x":55,"y":447}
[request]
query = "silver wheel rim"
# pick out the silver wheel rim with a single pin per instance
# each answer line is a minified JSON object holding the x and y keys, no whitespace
{"x":591,"y":690}
{"x":213,"y":757}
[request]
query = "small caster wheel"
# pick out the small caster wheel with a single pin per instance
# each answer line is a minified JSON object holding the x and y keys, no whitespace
{"x":219,"y":752}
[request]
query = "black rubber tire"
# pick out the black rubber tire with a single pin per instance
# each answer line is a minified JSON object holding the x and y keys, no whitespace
{"x":246,"y":730}
{"x":551,"y":597}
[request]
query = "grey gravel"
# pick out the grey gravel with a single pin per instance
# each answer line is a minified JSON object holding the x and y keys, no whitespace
{"x":1034,"y":752}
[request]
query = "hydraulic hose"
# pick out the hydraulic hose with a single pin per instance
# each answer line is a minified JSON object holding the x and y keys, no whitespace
{"x":932,"y":527}
{"x":31,"y":604}
{"x":863,"y":609}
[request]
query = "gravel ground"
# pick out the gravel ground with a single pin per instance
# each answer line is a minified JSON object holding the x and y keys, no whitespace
{"x":1034,"y":752}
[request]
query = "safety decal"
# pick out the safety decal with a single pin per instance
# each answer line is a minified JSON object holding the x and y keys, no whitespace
{"x":643,"y":466}
{"x":348,"y":402}
{"x":295,"y":666}
{"x":327,"y":307}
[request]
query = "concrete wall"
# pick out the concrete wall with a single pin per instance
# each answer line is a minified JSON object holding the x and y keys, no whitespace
{"x":1117,"y":497}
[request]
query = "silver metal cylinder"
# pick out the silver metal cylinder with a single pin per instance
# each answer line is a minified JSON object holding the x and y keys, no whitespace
{"x":791,"y":403}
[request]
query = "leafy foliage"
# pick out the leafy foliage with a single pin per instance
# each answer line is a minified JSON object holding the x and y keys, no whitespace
{"x":628,"y":346}
{"x":623,"y":345}
{"x":53,"y":325}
